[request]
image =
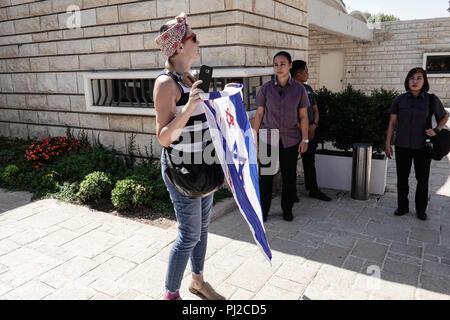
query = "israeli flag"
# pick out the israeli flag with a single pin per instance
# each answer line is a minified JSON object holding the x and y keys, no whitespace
{"x":233,"y":141}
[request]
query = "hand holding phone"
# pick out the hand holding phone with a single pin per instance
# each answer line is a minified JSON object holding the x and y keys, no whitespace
{"x":205,"y":76}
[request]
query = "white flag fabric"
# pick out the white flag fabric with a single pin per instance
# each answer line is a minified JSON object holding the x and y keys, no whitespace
{"x":233,"y":141}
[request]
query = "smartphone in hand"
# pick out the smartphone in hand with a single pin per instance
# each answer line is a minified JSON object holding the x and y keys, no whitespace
{"x":206,"y":76}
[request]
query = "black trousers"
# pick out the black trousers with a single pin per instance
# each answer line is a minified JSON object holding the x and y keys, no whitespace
{"x":403,"y":159}
{"x":309,"y":167}
{"x":288,"y":166}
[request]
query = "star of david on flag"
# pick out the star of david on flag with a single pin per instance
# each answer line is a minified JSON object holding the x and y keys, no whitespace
{"x":233,"y":141}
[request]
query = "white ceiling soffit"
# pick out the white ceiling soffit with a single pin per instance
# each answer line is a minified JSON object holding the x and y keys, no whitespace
{"x":330,"y":16}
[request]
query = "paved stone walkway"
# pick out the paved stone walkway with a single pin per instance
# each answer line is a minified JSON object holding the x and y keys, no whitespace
{"x":335,"y":250}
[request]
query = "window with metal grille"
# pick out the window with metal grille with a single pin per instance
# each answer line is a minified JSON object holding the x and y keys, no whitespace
{"x":123,"y":93}
{"x":135,"y":93}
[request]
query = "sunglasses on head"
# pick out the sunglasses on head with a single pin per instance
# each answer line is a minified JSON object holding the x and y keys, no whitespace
{"x":193,"y":36}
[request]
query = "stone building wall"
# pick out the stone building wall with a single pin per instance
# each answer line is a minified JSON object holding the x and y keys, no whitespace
{"x":42,"y":61}
{"x":397,"y":48}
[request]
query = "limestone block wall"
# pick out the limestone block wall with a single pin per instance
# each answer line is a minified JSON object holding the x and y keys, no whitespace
{"x":397,"y":48}
{"x":42,"y":61}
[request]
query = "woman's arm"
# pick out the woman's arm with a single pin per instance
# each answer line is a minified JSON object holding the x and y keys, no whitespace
{"x":257,"y":123}
{"x":440,"y":126}
{"x":304,"y":126}
{"x":165,"y":97}
{"x":390,"y":133}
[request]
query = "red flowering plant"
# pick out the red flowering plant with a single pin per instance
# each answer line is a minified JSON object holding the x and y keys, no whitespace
{"x":48,"y":149}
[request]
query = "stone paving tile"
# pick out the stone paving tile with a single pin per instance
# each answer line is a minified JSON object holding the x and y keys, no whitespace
{"x":302,"y":274}
{"x":435,"y":283}
{"x":353,"y":264}
{"x":92,"y":243}
{"x":437,"y":250}
{"x":387,"y":232}
{"x":271,"y":292}
{"x":242,"y":294}
{"x":435,"y":268}
{"x":33,"y":290}
{"x":261,"y":273}
{"x":400,"y":268}
{"x":72,"y":291}
{"x":68,"y":271}
{"x":369,"y":250}
{"x":424,"y":235}
{"x":402,"y":248}
{"x":330,"y":254}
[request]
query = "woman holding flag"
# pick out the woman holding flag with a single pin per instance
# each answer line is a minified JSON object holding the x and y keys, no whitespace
{"x":280,"y":103}
{"x":177,"y":108}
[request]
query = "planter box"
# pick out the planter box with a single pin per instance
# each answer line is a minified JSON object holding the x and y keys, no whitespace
{"x":335,"y":172}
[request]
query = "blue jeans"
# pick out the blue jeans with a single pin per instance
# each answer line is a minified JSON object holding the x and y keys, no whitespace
{"x":193,"y":215}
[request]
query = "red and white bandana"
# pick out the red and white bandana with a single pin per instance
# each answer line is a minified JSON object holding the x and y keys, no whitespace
{"x":168,"y":41}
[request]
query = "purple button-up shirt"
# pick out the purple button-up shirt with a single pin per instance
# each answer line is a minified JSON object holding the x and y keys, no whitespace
{"x":281,"y":106}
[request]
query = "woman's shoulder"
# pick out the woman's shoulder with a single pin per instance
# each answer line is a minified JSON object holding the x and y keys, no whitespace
{"x":165,"y":80}
{"x":400,"y":97}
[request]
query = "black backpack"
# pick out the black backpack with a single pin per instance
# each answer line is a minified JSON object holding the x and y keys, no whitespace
{"x":441,"y":141}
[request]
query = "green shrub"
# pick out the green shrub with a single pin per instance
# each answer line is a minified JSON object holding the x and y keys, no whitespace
{"x":95,"y":186}
{"x":351,"y":116}
{"x":75,"y":166}
{"x":10,"y":174}
{"x":129,"y":193}
{"x":6,"y":156}
{"x":67,"y":192}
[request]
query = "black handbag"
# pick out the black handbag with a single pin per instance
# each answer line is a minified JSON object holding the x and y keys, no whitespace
{"x":194,"y":180}
{"x":439,"y":145}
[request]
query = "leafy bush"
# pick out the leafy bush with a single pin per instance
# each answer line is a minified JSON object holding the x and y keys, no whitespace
{"x":10,"y":174}
{"x":75,"y":166}
{"x":6,"y":156}
{"x":351,"y":116}
{"x":95,"y":186}
{"x":128,"y":193}
{"x":67,"y":192}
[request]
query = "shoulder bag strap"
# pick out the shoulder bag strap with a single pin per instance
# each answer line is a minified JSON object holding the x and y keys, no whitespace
{"x":430,"y":111}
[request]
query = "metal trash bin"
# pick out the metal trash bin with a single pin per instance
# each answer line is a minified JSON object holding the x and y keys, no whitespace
{"x":361,"y":168}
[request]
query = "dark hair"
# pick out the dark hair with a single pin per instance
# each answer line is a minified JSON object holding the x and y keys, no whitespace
{"x":284,"y":54}
{"x":297,"y":65}
{"x":413,"y":71}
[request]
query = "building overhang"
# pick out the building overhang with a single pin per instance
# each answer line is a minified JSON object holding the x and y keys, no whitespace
{"x":330,"y":16}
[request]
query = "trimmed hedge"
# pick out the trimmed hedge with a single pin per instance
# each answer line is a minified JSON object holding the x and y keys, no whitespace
{"x":351,"y":116}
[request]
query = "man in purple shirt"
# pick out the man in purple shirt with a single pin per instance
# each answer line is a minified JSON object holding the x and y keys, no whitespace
{"x":276,"y":121}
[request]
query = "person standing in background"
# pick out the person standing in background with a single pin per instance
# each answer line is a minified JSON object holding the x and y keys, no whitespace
{"x":299,"y":72}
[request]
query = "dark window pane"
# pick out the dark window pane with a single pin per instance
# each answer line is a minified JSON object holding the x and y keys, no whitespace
{"x":438,"y":64}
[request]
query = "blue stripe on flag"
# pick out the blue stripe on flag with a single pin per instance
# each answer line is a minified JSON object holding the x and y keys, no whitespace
{"x":243,"y":122}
